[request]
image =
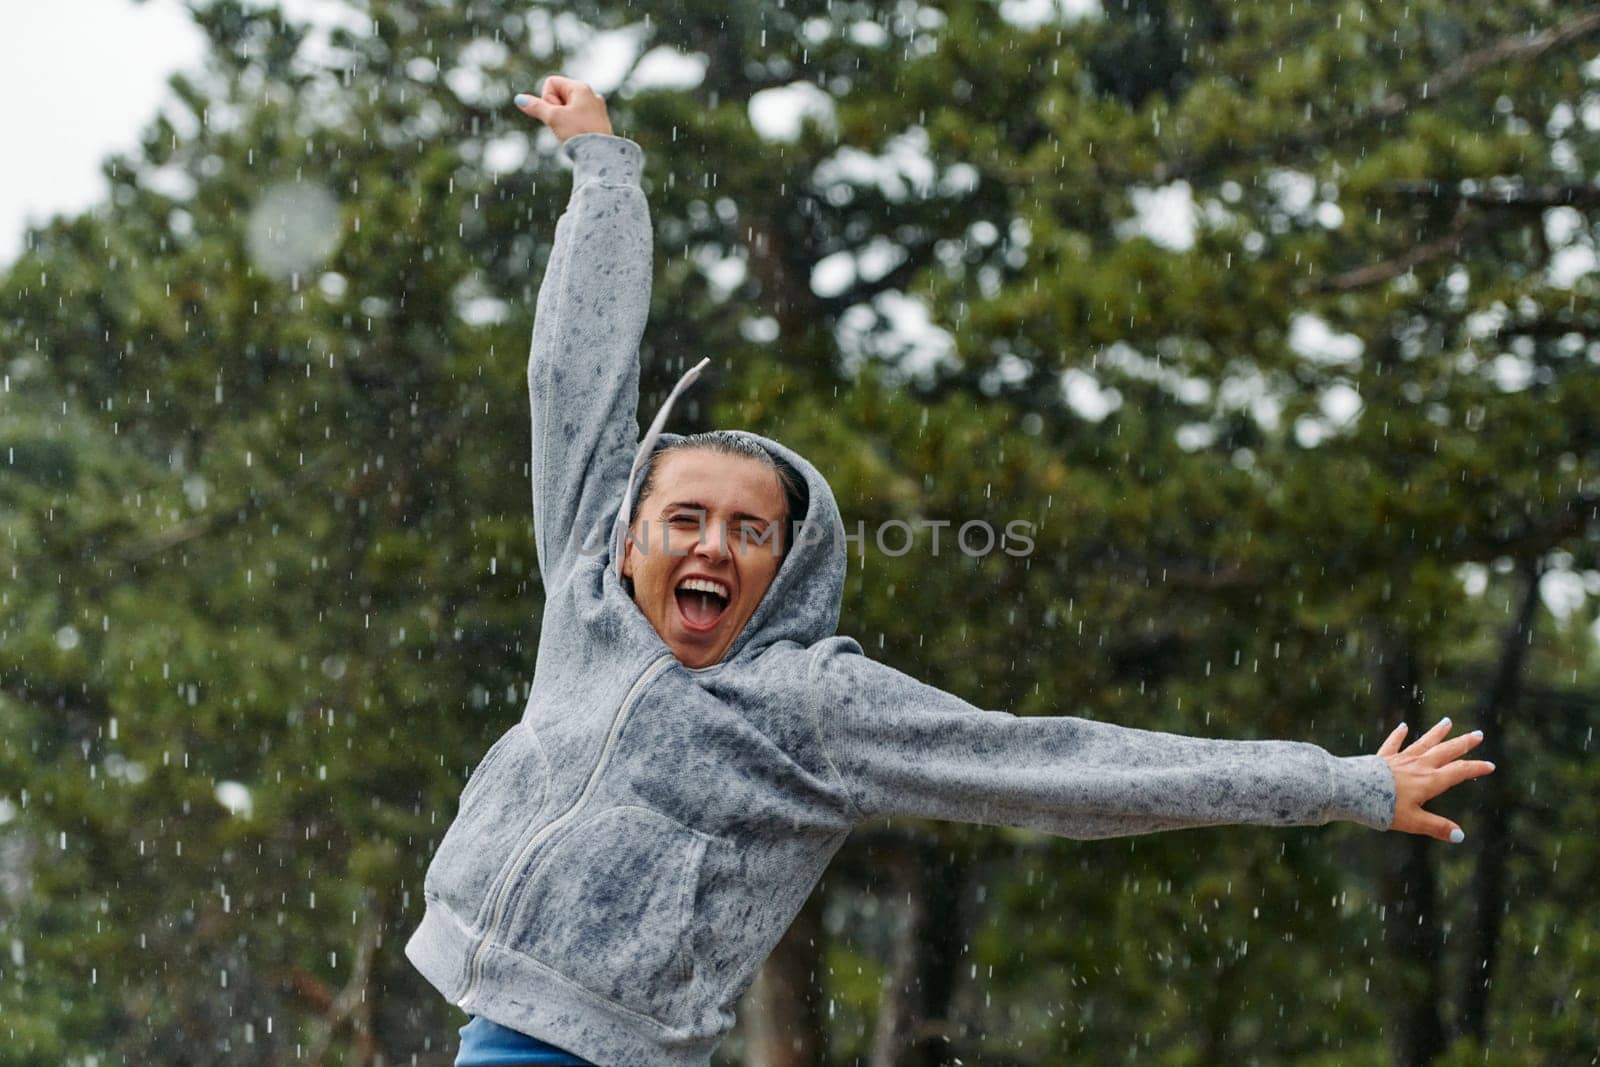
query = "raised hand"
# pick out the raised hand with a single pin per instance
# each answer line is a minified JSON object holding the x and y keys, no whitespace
{"x":568,"y":106}
{"x":1426,"y":769}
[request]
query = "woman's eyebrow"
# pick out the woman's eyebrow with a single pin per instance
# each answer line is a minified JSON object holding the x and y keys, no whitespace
{"x":697,"y":506}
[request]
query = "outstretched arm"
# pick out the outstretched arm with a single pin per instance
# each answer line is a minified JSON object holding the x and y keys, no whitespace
{"x":905,"y":748}
{"x":583,"y":368}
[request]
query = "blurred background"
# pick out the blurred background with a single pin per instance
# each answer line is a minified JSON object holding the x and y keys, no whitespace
{"x":1279,"y":320}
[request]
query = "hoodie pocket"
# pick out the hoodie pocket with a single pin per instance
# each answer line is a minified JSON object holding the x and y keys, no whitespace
{"x":503,"y":798}
{"x":610,"y":903}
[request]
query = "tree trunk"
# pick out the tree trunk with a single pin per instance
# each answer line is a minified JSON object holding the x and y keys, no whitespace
{"x":913,"y":1028}
{"x":1493,"y":797}
{"x":785,"y":1018}
{"x":1410,"y":891}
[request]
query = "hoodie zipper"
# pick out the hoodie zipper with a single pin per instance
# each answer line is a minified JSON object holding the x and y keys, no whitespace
{"x":650,"y":672}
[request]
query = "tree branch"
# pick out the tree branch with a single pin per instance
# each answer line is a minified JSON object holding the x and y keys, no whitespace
{"x":351,"y":1007}
{"x":1533,"y":198}
{"x":219,"y":518}
{"x":1518,"y":47}
{"x":1377,"y":273}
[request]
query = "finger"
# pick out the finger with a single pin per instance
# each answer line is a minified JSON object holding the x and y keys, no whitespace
{"x":1443,"y":829}
{"x":561,"y":87}
{"x":1422,"y":744}
{"x":1434,"y":783}
{"x":1466,"y":770}
{"x":532,"y":105}
{"x":1446,"y":751}
{"x":1391,"y":744}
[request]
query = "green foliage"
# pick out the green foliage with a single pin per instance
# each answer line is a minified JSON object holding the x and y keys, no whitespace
{"x":265,"y":519}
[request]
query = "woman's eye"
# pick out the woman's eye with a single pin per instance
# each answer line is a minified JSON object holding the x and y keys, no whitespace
{"x":684,"y":520}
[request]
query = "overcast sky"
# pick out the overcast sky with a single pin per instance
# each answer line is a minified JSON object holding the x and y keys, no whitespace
{"x":81,"y":78}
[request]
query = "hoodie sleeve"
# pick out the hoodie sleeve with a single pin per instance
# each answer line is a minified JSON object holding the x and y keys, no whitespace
{"x":905,"y":748}
{"x":583,"y":369}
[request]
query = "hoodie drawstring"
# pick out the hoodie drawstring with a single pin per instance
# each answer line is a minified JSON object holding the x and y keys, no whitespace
{"x":620,"y":527}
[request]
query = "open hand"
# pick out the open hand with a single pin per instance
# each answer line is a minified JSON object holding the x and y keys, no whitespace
{"x":568,"y":106}
{"x":1424,"y":770}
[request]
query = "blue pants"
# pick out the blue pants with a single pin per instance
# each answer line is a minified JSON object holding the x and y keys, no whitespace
{"x":485,"y":1043}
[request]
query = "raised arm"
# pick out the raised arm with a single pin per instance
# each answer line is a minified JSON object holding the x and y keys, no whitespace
{"x":583,"y":368}
{"x":902,"y":747}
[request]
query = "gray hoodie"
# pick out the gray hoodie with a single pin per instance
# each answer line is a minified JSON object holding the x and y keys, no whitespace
{"x":625,"y":857}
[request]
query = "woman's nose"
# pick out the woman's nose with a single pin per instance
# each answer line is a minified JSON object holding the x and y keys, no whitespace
{"x":713,"y":540}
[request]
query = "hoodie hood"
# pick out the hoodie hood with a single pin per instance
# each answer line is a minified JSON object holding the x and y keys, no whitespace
{"x":802,"y":603}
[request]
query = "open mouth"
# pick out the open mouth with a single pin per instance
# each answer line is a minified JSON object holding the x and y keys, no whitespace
{"x":701,"y":602}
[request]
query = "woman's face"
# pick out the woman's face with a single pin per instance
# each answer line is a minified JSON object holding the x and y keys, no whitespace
{"x":704,"y":549}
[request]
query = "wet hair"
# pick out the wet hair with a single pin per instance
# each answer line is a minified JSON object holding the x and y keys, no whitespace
{"x":729,"y":443}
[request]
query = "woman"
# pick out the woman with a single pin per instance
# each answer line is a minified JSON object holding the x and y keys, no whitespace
{"x":698,"y":742}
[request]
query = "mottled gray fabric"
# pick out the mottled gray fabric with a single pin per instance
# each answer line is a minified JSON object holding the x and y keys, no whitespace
{"x":625,"y":857}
